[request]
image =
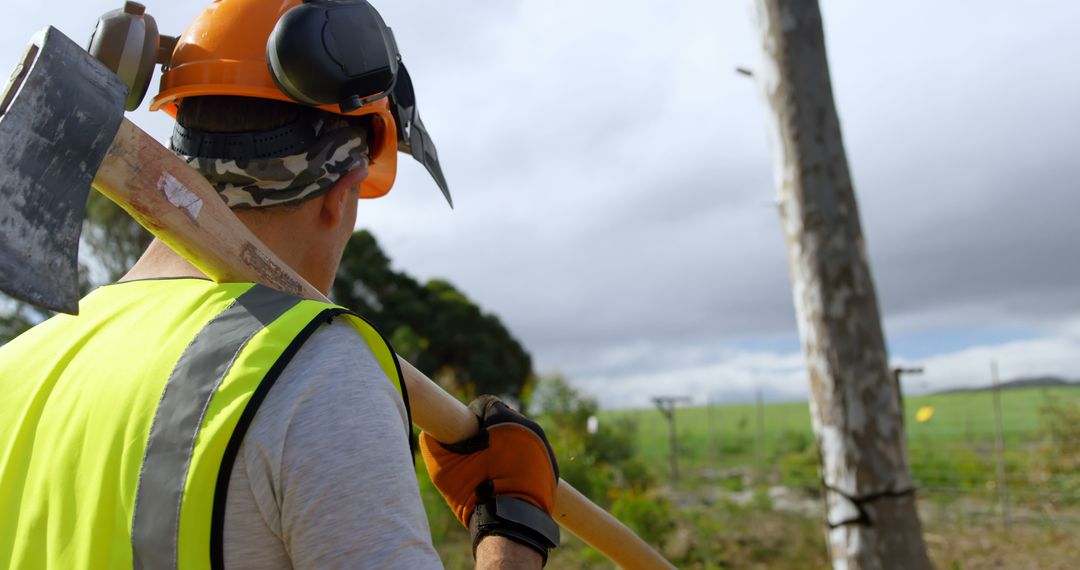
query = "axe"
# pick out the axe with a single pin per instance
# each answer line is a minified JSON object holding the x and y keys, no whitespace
{"x":62,"y":130}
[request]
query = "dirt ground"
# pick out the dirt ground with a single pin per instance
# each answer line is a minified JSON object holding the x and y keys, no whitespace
{"x":1016,"y":549}
{"x":971,"y":533}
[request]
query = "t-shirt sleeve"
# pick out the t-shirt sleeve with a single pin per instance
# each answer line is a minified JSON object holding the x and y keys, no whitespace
{"x":328,"y":462}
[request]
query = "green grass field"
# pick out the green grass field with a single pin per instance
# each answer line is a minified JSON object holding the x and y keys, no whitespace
{"x":954,"y":448}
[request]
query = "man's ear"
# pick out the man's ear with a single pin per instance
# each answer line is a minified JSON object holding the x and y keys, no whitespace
{"x":333,"y":206}
{"x":335,"y":201}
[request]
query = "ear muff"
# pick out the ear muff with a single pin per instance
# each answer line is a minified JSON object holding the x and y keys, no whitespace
{"x":333,"y":53}
{"x":126,"y":40}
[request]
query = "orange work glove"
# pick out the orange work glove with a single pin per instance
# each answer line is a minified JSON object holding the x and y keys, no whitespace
{"x":501,"y":481}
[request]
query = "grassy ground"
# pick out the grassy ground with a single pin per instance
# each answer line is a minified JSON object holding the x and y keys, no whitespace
{"x":957,"y":417}
{"x":701,"y":525}
{"x":725,"y":536}
{"x":715,"y":536}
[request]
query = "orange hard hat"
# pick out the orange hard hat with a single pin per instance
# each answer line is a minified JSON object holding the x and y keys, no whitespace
{"x":223,"y":52}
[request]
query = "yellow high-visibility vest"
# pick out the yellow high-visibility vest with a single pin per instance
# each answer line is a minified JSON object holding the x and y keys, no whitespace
{"x":119,"y":427}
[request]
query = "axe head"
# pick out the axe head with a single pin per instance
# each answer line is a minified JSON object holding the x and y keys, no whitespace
{"x":58,"y":117}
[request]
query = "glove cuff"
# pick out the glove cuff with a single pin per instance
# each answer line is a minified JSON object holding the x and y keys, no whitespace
{"x":516,"y":519}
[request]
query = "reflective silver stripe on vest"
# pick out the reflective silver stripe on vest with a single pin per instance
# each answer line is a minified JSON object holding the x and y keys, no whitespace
{"x":200,"y":369}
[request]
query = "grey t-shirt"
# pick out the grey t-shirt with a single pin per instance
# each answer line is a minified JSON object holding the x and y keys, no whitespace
{"x":324,"y":478}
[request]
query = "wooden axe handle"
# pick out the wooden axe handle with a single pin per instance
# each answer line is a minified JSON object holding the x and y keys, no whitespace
{"x":176,"y":204}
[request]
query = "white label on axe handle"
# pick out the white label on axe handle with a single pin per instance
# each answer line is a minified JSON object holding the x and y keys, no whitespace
{"x":178,"y":195}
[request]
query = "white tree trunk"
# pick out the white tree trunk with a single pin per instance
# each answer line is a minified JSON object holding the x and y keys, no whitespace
{"x":871,"y":517}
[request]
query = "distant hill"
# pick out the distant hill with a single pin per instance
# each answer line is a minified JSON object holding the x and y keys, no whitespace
{"x":1027,"y":382}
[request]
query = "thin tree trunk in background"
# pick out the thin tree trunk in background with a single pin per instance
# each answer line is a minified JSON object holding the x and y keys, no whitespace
{"x":872,"y":520}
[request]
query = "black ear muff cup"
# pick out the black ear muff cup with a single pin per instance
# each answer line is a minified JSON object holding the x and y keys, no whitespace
{"x":340,"y":52}
{"x":126,"y":40}
{"x":333,"y":53}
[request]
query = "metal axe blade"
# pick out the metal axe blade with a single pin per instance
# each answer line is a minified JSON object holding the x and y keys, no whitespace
{"x":58,"y":117}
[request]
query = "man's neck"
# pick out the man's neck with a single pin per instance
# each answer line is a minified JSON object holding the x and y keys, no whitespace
{"x":160,"y":261}
{"x":313,"y":251}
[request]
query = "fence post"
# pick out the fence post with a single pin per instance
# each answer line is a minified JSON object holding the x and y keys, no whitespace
{"x":999,"y":448}
{"x":712,"y":452}
{"x":666,"y":405}
{"x":760,"y":455}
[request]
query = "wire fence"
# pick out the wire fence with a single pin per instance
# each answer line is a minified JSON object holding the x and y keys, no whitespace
{"x":976,"y":457}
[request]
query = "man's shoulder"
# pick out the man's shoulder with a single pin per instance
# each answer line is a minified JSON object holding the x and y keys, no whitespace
{"x":336,"y":363}
{"x":336,"y":351}
{"x":338,"y":333}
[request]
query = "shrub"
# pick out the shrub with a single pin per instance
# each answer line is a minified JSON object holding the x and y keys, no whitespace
{"x":652,"y":518}
{"x":637,"y":475}
{"x":594,"y":463}
{"x":614,"y":442}
{"x":800,"y":470}
{"x":793,"y":441}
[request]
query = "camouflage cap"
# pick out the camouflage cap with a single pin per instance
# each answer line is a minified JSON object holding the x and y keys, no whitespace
{"x":340,"y":146}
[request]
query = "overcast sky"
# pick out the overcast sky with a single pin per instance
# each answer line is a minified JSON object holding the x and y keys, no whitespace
{"x":615,"y":202}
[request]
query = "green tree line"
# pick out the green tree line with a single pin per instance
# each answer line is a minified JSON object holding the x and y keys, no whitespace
{"x":438,"y":328}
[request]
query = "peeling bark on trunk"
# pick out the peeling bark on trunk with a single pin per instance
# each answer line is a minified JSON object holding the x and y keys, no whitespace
{"x":872,"y":522}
